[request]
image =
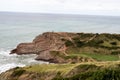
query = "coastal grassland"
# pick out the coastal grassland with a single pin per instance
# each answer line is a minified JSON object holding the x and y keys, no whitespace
{"x":106,"y":70}
{"x":75,"y":52}
{"x":100,"y":47}
{"x":67,"y":67}
{"x":63,"y":68}
{"x":98,"y":57}
{"x":94,"y":71}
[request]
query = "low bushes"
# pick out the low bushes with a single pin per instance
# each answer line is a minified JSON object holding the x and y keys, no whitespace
{"x":113,"y":43}
{"x":18,"y":72}
{"x":115,"y":52}
{"x":68,"y":43}
{"x":105,"y":74}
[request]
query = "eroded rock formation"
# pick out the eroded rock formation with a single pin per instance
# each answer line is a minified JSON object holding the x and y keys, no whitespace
{"x":43,"y":44}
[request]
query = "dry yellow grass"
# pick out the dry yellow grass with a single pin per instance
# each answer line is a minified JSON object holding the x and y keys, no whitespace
{"x":65,"y":68}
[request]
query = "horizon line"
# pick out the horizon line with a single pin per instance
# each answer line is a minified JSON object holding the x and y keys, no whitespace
{"x":58,"y":13}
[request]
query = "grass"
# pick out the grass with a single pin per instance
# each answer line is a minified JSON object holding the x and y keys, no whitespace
{"x":74,"y":52}
{"x":95,"y":71}
{"x":97,"y":48}
{"x":107,"y":44}
{"x":98,"y":57}
{"x":68,"y":43}
{"x":18,"y":72}
{"x":105,"y":74}
{"x":79,"y":71}
{"x":63,"y":68}
{"x":103,"y":57}
{"x":66,"y":67}
{"x":83,"y":71}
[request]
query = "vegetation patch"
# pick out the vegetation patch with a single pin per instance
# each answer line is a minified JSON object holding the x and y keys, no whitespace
{"x":109,"y":70}
{"x":105,"y":74}
{"x":68,"y":43}
{"x":113,"y":43}
{"x":57,"y":53}
{"x":45,"y":68}
{"x":17,"y":72}
{"x":115,"y":52}
{"x":102,"y":57}
{"x":98,"y":57}
{"x":86,"y":67}
{"x":78,"y":43}
{"x":93,"y":72}
{"x":75,"y":52}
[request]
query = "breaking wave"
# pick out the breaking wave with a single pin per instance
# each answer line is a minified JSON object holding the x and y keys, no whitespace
{"x":8,"y":61}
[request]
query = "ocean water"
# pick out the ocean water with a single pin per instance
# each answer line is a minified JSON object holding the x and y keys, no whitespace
{"x":23,"y":27}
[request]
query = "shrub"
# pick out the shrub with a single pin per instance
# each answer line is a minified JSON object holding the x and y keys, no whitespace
{"x":105,"y":74}
{"x":18,"y":72}
{"x":68,"y":43}
{"x":78,"y":42}
{"x":95,"y":42}
{"x":115,"y":52}
{"x":99,"y":41}
{"x":117,"y":37}
{"x":113,"y":43}
{"x":86,"y":67}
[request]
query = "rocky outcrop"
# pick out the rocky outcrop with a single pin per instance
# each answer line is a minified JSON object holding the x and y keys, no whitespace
{"x":65,"y":43}
{"x":24,"y":48}
{"x":43,"y":44}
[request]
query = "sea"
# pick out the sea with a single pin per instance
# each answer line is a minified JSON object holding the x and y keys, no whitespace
{"x":17,"y":28}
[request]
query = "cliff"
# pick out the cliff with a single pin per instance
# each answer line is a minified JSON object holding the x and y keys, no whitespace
{"x":63,"y":47}
{"x":88,"y":56}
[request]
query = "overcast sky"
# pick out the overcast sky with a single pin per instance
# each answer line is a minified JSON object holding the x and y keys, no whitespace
{"x":97,"y":7}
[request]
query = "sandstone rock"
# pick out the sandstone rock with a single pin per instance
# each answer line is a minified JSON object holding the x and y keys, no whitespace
{"x":42,"y":45}
{"x":24,"y":48}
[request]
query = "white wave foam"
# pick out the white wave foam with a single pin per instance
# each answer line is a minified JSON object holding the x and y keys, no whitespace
{"x":6,"y":67}
{"x":5,"y":52}
{"x":34,"y":61}
{"x":8,"y":61}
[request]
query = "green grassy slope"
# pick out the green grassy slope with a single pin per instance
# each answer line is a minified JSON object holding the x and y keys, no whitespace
{"x":100,"y":47}
{"x":109,"y":70}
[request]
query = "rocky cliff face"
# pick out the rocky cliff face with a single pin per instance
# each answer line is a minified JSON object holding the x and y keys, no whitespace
{"x":56,"y":46}
{"x":43,"y":44}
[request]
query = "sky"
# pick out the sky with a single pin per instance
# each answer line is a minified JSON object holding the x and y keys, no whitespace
{"x":91,"y":7}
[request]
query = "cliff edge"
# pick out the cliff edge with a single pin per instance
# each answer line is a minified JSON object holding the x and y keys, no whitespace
{"x":64,"y":47}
